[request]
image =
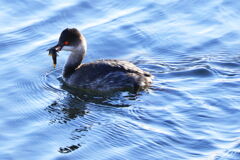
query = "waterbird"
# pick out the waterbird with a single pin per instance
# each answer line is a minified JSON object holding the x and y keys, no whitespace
{"x":105,"y":75}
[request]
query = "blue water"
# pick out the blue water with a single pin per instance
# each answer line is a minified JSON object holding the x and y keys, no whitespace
{"x":191,"y":111}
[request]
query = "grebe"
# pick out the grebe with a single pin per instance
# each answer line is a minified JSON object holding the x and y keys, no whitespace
{"x":101,"y":75}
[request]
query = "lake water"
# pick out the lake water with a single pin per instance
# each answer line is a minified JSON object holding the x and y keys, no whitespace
{"x":191,"y":111}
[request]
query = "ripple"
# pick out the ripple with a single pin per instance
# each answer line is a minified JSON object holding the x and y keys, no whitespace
{"x":229,"y":154}
{"x":199,"y":72}
{"x":190,"y":112}
{"x":51,"y":81}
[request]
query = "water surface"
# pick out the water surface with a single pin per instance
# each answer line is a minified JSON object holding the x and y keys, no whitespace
{"x":190,"y":112}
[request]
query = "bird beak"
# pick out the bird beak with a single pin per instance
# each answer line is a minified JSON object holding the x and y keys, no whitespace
{"x":58,"y":47}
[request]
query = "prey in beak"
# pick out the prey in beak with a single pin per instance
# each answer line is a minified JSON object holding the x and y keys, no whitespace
{"x":53,"y":52}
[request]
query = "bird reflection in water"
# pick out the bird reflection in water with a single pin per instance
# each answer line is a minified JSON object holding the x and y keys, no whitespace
{"x":73,"y":109}
{"x":65,"y":111}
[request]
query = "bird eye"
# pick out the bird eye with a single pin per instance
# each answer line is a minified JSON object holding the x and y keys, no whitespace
{"x":66,"y":43}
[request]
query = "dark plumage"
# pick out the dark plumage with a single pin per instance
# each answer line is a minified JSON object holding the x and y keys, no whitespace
{"x":101,"y":75}
{"x":110,"y":75}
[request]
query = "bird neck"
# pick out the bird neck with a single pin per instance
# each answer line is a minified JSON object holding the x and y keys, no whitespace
{"x":74,"y":60}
